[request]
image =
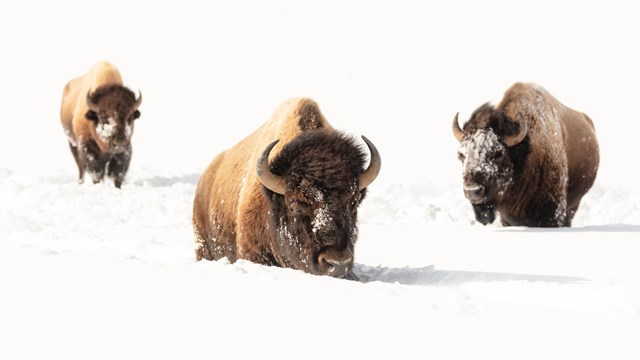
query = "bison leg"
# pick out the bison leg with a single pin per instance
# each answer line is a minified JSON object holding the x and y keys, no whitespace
{"x":571,"y":212}
{"x":90,"y":155}
{"x":546,"y":214}
{"x":118,"y":167}
{"x":74,"y":151}
{"x":202,"y":250}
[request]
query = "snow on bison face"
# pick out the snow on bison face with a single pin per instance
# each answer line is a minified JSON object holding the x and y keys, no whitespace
{"x":113,"y":109}
{"x":487,"y":157}
{"x":487,"y":171}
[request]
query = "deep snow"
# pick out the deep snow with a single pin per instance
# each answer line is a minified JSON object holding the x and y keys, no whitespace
{"x":89,"y":271}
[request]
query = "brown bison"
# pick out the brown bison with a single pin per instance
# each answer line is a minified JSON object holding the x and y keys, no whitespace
{"x":531,"y":159}
{"x":98,"y":115}
{"x":298,"y":210}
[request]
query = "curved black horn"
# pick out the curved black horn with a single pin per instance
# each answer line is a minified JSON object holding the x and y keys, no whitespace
{"x":457,"y":132}
{"x":369,"y":175}
{"x":270,"y":180}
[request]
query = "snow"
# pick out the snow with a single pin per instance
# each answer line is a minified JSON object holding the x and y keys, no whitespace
{"x":479,"y":151}
{"x":90,"y":271}
{"x":106,"y":130}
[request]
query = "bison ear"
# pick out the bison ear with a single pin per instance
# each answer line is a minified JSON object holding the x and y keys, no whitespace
{"x":91,"y":115}
{"x":136,"y":114}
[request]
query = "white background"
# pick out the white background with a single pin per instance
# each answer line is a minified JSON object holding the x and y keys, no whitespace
{"x":92,"y":272}
{"x":398,"y":72}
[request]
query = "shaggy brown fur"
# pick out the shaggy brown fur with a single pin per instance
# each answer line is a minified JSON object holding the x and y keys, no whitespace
{"x":100,"y":136}
{"x":538,"y":181}
{"x":235,"y":216}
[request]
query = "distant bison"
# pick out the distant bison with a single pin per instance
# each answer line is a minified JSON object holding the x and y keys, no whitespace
{"x":531,"y":159}
{"x":98,"y":115}
{"x":298,"y":210}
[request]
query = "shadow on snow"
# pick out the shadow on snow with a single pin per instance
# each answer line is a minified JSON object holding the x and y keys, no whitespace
{"x":430,"y":276}
{"x":613,"y":228}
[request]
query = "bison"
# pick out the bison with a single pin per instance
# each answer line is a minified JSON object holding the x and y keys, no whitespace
{"x":297,"y":210}
{"x":531,"y":159}
{"x":98,"y":115}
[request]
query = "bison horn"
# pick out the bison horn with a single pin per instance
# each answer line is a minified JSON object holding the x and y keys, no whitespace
{"x":367,"y":177}
{"x":138,"y":100}
{"x":516,"y":139}
{"x":92,"y":105}
{"x":270,"y":180}
{"x":457,"y":132}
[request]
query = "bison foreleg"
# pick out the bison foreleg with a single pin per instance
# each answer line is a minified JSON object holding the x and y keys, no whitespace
{"x":74,"y":152}
{"x":91,"y":160}
{"x":571,"y":212}
{"x":96,"y":170}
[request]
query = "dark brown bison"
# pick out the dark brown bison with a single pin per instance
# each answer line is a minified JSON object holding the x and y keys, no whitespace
{"x":98,"y":115}
{"x":298,"y":210}
{"x":531,"y":159}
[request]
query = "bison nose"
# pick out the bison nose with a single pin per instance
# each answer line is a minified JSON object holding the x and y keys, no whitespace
{"x":335,"y":263}
{"x":474,"y":193}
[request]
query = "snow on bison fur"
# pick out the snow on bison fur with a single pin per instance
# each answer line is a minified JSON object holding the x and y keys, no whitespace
{"x":530,"y":158}
{"x":297,"y":210}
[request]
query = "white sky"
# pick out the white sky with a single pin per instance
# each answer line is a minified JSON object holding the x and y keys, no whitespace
{"x":212,"y":72}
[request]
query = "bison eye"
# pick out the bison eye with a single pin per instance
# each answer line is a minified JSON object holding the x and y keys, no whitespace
{"x":92,"y":115}
{"x":460,"y":156}
{"x":499,"y":155}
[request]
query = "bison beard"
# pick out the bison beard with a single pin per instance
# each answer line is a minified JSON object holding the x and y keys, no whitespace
{"x":485,"y":213}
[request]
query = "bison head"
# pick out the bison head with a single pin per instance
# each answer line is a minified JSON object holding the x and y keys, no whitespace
{"x":491,"y":147}
{"x":314,"y":187}
{"x":113,"y":108}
